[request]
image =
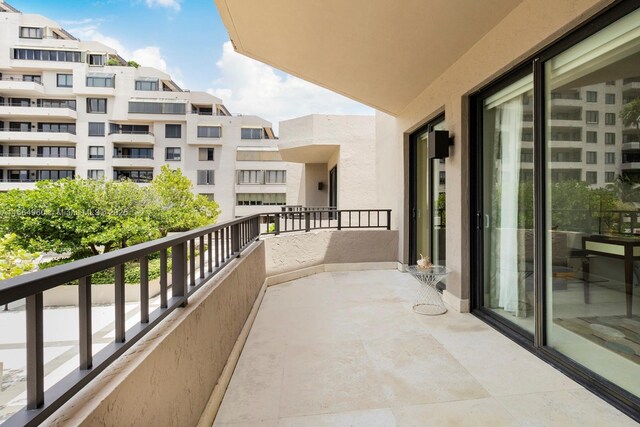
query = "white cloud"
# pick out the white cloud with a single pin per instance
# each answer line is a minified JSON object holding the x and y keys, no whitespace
{"x":147,"y":56}
{"x":250,"y":87}
{"x":169,"y":4}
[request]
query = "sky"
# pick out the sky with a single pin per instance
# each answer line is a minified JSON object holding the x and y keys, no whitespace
{"x":187,"y":39}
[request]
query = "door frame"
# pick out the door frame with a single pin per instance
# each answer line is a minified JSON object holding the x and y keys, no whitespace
{"x":413,"y":188}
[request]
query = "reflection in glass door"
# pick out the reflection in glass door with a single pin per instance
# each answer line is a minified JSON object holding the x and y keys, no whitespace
{"x":507,"y":163}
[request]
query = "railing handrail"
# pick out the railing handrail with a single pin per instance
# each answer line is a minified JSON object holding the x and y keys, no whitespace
{"x":9,"y":79}
{"x":131,"y":156}
{"x":5,"y":129}
{"x":132,"y":132}
{"x":231,"y":238}
{"x":10,"y":104}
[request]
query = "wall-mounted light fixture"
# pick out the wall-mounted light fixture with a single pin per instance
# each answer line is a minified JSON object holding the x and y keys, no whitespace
{"x":439,"y":142}
{"x":320,"y":186}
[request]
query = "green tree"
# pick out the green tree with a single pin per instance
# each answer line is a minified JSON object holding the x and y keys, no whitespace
{"x":630,"y":114}
{"x":14,"y":261}
{"x":133,"y":64}
{"x":77,"y":216}
{"x":174,"y":205}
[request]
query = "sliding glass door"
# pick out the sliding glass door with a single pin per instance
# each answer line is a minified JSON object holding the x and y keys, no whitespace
{"x":507,"y":205}
{"x":556,"y":201}
{"x":592,"y":120}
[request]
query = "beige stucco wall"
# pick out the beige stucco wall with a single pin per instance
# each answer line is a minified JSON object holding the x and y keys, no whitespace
{"x":167,"y":377}
{"x":529,"y":27}
{"x":290,"y":252}
{"x":313,"y":174}
{"x":354,"y":140}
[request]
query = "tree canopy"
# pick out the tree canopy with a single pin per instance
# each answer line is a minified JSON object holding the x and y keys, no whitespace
{"x":88,"y":216}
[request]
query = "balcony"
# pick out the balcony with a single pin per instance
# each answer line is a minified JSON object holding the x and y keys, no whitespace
{"x":253,"y":330}
{"x":20,"y":112}
{"x":36,"y":161}
{"x":123,"y":160}
{"x":631,"y":85}
{"x":18,"y":135}
{"x":627,"y":166}
{"x":16,"y":86}
{"x":132,"y":137}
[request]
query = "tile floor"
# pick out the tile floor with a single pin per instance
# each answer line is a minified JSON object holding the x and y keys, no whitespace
{"x":345,"y":349}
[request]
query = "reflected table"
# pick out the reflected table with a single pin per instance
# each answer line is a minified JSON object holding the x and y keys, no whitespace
{"x":429,"y":300}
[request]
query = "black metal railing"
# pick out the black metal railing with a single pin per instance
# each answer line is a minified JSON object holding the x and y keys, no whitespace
{"x":190,"y":269}
{"x":326,"y":218}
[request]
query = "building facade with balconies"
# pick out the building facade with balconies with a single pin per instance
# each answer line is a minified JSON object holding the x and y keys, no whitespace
{"x":71,"y":108}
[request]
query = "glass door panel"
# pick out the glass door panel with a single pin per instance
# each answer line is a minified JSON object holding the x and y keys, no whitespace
{"x":593,"y":202}
{"x":507,"y":164}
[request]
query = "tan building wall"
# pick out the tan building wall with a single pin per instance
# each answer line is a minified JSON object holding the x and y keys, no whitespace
{"x":536,"y":24}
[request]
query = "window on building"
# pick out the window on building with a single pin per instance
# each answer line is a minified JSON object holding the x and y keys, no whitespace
{"x":592,"y":117}
{"x":96,"y":59}
{"x":138,"y":107}
{"x":591,"y":177}
{"x":147,"y":85}
{"x":97,"y":105}
{"x":172,"y":131}
{"x":18,"y":151}
{"x":54,"y":175}
{"x":611,"y":83}
{"x":251,"y":133}
{"x":592,"y":96}
{"x":132,"y":153}
{"x":96,"y":153}
{"x":609,"y":177}
{"x":610,"y":98}
{"x":609,"y":158}
{"x":206,"y":154}
{"x":101,"y":81}
{"x":57,"y":127}
{"x":96,"y":129}
{"x":47,"y":55}
{"x":31,"y":33}
{"x":609,"y":118}
{"x":592,"y":157}
{"x":209,"y":131}
{"x":275,"y":177}
{"x":261,"y":199}
{"x":209,"y":196}
{"x":62,"y":152}
{"x":20,"y":126}
{"x":206,"y":177}
{"x":57,"y":103}
{"x":609,"y":138}
{"x":592,"y":136}
{"x":32,"y":78}
{"x":250,"y":177}
{"x":95,"y":174}
{"x":145,"y":175}
{"x":172,"y":153}
{"x":65,"y":80}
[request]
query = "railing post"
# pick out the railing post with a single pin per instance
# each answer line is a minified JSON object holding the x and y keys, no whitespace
{"x":144,"y":289}
{"x":179,"y":271}
{"x":277,"y":224}
{"x":119,"y":302}
{"x":235,"y":239}
{"x":192,"y":262}
{"x":35,"y":351}
{"x":339,"y":220}
{"x":85,"y":333}
{"x":163,"y":279}
{"x":307,"y":221}
{"x":388,"y":219}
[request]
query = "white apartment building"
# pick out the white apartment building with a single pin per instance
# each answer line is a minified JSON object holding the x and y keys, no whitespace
{"x":71,"y":108}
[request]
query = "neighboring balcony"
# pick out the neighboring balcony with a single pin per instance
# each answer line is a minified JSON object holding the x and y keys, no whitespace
{"x":125,"y":160}
{"x":36,"y":161}
{"x":632,"y":84}
{"x":627,"y":166}
{"x":11,"y":135}
{"x":16,"y":111}
{"x":16,"y":86}
{"x":132,"y":137}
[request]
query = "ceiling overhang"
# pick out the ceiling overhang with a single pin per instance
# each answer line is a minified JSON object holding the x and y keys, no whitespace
{"x":382,"y":53}
{"x":307,"y":153}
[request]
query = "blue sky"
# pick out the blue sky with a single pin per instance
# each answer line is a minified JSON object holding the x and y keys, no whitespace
{"x":187,"y":39}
